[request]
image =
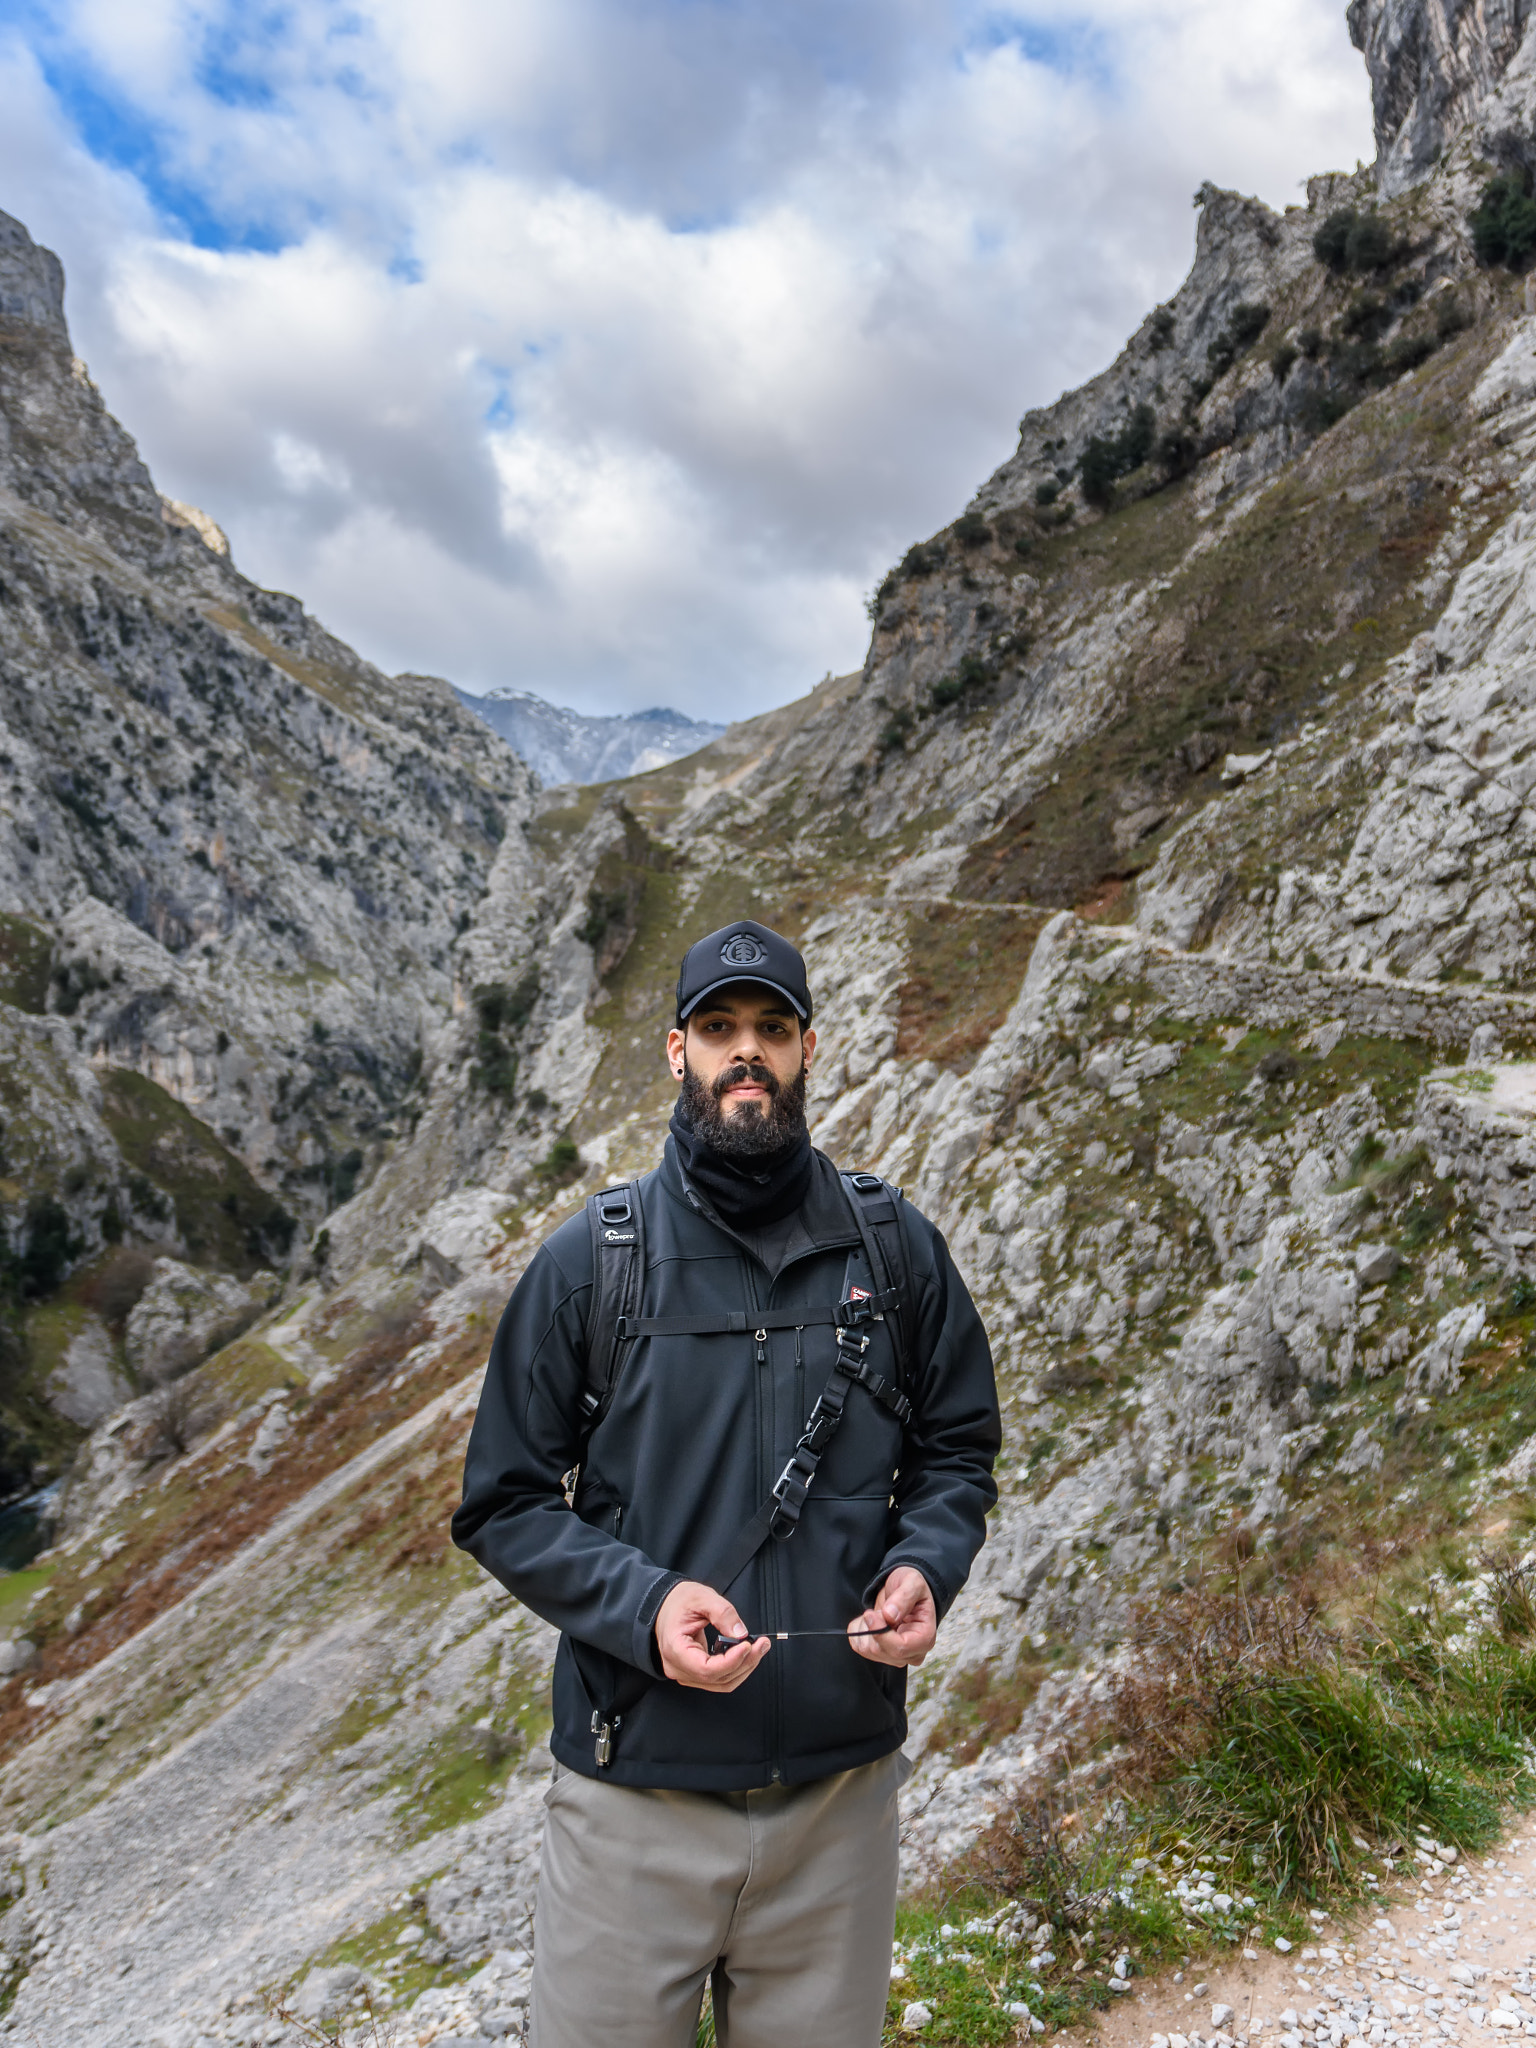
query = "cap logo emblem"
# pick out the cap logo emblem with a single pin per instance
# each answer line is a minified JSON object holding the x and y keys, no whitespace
{"x":742,"y":950}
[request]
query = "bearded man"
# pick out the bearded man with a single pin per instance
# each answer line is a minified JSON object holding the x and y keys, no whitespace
{"x":736,"y":1444}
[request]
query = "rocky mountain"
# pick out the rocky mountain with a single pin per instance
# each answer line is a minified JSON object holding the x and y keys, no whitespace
{"x":234,"y":864}
{"x":1165,"y":878}
{"x":561,"y":745}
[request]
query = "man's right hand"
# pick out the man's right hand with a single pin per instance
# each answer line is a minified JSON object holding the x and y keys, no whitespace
{"x":688,"y":1610}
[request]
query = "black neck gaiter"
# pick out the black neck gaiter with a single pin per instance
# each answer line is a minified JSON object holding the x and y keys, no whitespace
{"x":762,"y":1188}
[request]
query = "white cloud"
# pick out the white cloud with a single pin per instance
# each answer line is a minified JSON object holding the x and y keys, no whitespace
{"x":613,"y":347}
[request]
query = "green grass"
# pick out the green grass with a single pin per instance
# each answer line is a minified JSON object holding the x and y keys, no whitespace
{"x":461,"y":1771}
{"x":967,"y":1996}
{"x":16,"y":1590}
{"x":224,"y":1216}
{"x":453,"y":1781}
{"x":26,"y":955}
{"x":1211,"y":1082}
{"x":1297,"y":1768}
{"x":368,"y":1948}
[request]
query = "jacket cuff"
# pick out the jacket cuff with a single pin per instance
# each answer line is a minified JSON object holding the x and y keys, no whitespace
{"x":643,"y":1649}
{"x":943,"y":1597}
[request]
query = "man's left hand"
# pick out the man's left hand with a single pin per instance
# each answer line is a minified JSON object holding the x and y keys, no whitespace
{"x":904,"y":1606}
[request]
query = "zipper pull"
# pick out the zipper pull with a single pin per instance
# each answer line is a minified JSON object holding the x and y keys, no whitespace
{"x":762,"y":1341}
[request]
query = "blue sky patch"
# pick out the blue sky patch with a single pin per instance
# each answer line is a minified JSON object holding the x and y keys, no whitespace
{"x":118,"y":133}
{"x":224,"y":69}
{"x":1073,"y":48}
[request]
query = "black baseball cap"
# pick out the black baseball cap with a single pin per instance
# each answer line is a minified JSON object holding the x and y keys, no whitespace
{"x":743,"y":951}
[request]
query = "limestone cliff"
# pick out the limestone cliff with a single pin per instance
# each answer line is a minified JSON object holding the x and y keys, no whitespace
{"x":1437,"y":67}
{"x":234,"y":859}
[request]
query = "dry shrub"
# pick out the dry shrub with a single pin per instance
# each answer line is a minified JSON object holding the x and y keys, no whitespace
{"x":113,"y":1291}
{"x":377,"y":1357}
{"x":1048,"y":1859}
{"x":415,"y":1513}
{"x":176,"y":1415}
{"x":988,"y":1705}
{"x":1073,"y":1375}
{"x":231,"y":1506}
{"x":352,"y":2026}
{"x":1514,"y":1594}
{"x":1197,"y":1652}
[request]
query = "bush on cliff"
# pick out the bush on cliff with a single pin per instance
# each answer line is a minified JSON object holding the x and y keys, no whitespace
{"x":1348,"y":240}
{"x":1108,"y":457}
{"x":1503,"y":223}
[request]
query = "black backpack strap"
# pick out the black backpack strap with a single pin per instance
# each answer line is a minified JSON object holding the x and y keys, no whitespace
{"x":617,"y":1224}
{"x":877,"y":1211}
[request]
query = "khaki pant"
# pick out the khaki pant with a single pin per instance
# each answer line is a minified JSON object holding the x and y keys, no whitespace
{"x":786,"y":1898}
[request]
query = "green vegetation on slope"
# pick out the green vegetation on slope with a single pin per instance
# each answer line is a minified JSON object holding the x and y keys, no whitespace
{"x":26,"y":956}
{"x":1326,"y":568}
{"x":224,"y":1217}
{"x":1277,"y":1756}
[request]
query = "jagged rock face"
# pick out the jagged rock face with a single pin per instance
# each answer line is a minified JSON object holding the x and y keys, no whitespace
{"x":1434,"y":65}
{"x":31,"y":279}
{"x":1244,"y":253}
{"x":235,"y":864}
{"x":1428,"y":870}
{"x":253,"y":854}
{"x":61,"y":452}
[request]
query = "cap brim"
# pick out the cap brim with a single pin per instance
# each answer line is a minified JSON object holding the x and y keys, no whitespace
{"x":686,"y":1010}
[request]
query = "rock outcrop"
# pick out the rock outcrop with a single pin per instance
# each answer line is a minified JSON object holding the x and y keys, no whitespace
{"x":1435,"y":67}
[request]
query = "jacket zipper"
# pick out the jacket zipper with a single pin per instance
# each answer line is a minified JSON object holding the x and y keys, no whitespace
{"x":767,"y":1469}
{"x":767,"y":1437}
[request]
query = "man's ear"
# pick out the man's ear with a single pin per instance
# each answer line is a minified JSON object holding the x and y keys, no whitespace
{"x":808,"y":1049}
{"x":676,"y":1057}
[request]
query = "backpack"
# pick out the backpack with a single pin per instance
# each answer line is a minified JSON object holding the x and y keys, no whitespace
{"x":617,"y":1225}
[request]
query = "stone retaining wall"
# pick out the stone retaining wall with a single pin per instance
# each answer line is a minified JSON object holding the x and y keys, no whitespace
{"x":1206,"y":985}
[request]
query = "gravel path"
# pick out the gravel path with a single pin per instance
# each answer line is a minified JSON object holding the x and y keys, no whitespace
{"x":1455,"y":1960}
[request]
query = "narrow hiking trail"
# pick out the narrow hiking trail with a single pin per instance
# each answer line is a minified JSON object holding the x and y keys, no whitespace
{"x":1454,"y":1960}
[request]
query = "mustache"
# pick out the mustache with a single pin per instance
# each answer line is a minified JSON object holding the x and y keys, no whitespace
{"x":746,"y":1070}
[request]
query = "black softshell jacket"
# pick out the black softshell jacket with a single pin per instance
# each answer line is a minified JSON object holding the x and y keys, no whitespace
{"x":698,"y":1430}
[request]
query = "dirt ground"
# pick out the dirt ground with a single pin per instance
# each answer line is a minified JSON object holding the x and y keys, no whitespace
{"x":1451,"y":1960}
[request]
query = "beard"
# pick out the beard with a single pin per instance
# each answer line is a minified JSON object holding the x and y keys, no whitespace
{"x":750,"y":1132}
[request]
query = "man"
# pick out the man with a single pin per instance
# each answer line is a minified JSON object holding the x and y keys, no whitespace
{"x":729,"y":1688}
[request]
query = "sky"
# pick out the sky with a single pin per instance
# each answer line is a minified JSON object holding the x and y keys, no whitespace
{"x":613,"y":349}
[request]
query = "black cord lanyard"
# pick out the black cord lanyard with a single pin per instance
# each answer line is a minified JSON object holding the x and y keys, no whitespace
{"x":717,"y":1644}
